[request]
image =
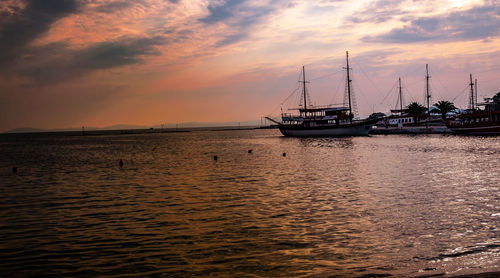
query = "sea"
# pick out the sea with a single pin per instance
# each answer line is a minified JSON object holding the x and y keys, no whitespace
{"x":248,"y":203}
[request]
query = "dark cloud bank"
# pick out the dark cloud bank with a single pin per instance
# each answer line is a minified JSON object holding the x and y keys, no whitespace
{"x":66,"y":63}
{"x":57,"y":61}
{"x":21,"y":27}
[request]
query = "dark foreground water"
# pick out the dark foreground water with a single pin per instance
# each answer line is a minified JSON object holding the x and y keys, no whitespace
{"x":379,"y":205}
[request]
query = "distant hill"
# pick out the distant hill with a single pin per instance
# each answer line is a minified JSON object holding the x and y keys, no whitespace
{"x":211,"y":124}
{"x":24,"y":130}
{"x":128,"y":127}
{"x":118,"y":127}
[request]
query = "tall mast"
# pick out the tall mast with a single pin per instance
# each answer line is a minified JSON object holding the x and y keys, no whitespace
{"x":348,"y":85}
{"x":304,"y":85}
{"x":400,"y":98}
{"x":428,"y":96}
{"x":471,"y":102}
{"x":475,"y":89}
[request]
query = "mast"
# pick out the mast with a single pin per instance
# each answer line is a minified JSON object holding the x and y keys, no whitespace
{"x":428,"y":96}
{"x":348,"y":84}
{"x":400,"y":98}
{"x":471,"y":102}
{"x":475,"y":89}
{"x":304,"y":85}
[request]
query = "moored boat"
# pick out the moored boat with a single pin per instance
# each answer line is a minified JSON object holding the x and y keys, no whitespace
{"x":329,"y":121}
{"x":477,"y":121}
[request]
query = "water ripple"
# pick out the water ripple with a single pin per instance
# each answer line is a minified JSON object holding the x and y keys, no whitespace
{"x":354,"y":207}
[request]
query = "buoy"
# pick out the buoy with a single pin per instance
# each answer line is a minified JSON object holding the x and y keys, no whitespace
{"x":121,"y":163}
{"x":284,"y":154}
{"x":14,"y":169}
{"x":215,"y":157}
{"x":249,"y":151}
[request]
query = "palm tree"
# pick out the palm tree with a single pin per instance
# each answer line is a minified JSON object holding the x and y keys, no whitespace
{"x":444,"y":107}
{"x":496,"y":97}
{"x":415,"y":110}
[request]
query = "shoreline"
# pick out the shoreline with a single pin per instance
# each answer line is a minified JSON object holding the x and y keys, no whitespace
{"x":410,"y":130}
{"x":489,"y":274}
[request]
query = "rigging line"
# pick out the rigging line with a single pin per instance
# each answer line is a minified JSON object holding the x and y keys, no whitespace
{"x":363,"y":96}
{"x":341,"y":81}
{"x":487,"y":80}
{"x":461,"y":93}
{"x":481,"y":93}
{"x":326,"y":75}
{"x":461,"y":102}
{"x":373,"y":83}
{"x":415,"y":69}
{"x":410,"y":84}
{"x":405,"y":94}
{"x":442,"y":85}
{"x":408,"y":94}
{"x":294,"y":91}
{"x":286,"y":99}
{"x":388,"y":93}
{"x":388,"y":108}
{"x":488,"y":70}
{"x":424,"y":90}
{"x":436,"y":92}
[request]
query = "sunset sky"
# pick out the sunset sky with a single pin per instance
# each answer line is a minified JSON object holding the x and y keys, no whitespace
{"x":68,"y":63}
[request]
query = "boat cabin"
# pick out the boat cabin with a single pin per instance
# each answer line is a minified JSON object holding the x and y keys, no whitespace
{"x":318,"y":116}
{"x":399,"y":117}
{"x":478,"y":117}
{"x":400,"y":120}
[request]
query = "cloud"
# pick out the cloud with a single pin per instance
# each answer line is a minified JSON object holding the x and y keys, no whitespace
{"x":19,"y":27}
{"x":26,"y":53}
{"x":57,"y":62}
{"x":221,"y":11}
{"x":481,"y":22}
{"x":239,"y":15}
{"x":111,"y":7}
{"x":230,"y":39}
{"x":378,"y":12}
{"x":110,"y":54}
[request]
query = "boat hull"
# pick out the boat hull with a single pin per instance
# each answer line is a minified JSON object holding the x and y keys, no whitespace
{"x":360,"y":129}
{"x":476,"y":130}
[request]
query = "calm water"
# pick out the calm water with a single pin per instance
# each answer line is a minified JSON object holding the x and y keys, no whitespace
{"x":379,"y":205}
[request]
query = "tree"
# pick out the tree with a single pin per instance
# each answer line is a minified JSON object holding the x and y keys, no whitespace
{"x":444,"y":107}
{"x":496,"y":98}
{"x":415,"y":110}
{"x":376,"y":115}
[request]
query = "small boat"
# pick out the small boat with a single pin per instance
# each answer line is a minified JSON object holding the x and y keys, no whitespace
{"x":475,"y":121}
{"x":329,"y":121}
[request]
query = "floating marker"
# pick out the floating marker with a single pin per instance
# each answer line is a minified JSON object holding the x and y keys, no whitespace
{"x":215,"y":157}
{"x":14,"y":169}
{"x":121,"y":163}
{"x":284,"y":154}
{"x":249,"y":151}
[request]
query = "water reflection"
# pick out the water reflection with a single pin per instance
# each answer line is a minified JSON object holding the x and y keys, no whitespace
{"x":401,"y":205}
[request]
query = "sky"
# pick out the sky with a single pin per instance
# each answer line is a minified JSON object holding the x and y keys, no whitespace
{"x":73,"y":63}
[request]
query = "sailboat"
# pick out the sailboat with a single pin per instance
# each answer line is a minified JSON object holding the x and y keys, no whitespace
{"x":399,"y":117}
{"x":475,"y":121}
{"x":328,"y":121}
